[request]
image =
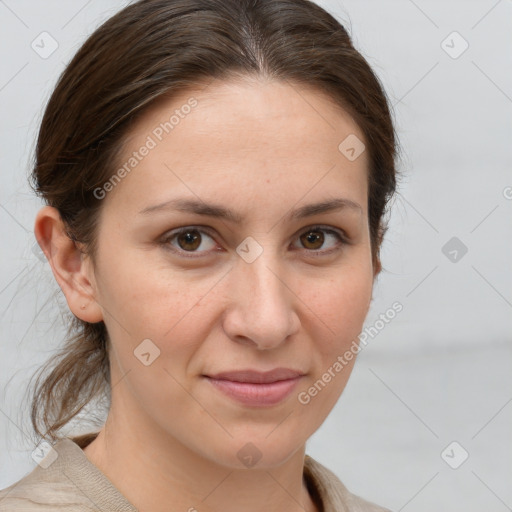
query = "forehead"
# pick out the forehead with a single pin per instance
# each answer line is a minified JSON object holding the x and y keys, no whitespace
{"x":261,"y":139}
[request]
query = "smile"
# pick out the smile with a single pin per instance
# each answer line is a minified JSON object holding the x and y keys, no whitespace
{"x":256,"y":394}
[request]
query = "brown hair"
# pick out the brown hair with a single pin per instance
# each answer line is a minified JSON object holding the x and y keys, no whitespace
{"x":154,"y":48}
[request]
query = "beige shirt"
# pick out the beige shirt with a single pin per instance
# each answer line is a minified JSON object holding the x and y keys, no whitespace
{"x":72,"y":483}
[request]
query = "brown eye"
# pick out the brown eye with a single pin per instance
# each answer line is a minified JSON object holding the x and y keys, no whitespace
{"x":189,"y":240}
{"x":312,"y":239}
{"x":315,"y":238}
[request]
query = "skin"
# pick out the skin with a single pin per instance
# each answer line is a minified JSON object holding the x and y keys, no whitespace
{"x":170,"y":436}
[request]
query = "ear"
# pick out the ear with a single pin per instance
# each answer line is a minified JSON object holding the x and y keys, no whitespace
{"x":72,"y":269}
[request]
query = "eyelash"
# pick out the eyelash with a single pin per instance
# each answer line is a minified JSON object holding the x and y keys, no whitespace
{"x":342,"y":238}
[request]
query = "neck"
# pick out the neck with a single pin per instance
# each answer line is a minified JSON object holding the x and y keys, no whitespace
{"x":155,"y":472}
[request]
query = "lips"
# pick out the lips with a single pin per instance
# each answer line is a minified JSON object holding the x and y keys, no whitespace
{"x":256,"y":377}
{"x":254,"y":388}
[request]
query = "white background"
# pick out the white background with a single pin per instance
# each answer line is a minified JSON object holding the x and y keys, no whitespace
{"x":440,"y":371}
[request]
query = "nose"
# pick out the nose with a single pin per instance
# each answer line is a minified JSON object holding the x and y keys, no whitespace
{"x":261,"y":311}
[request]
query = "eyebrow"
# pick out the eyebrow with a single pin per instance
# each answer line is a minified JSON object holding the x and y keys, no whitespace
{"x":214,"y":210}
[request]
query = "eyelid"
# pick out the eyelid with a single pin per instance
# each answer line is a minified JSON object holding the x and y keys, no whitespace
{"x":169,"y":235}
{"x":344,"y":239}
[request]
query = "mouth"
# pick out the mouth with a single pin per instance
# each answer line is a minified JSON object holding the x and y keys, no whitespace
{"x":254,"y":388}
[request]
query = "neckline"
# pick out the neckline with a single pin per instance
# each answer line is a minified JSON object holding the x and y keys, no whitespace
{"x":95,"y":487}
{"x":309,"y":475}
{"x":84,"y":440}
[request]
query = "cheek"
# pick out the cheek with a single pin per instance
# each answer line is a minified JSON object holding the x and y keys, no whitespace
{"x":173,"y":309}
{"x":338,"y":310}
{"x":144,"y":293}
{"x":340,"y":306}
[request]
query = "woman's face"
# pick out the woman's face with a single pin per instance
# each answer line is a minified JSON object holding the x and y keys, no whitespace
{"x":259,"y":278}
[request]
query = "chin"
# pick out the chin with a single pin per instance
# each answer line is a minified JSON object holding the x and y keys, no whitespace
{"x":256,"y":451}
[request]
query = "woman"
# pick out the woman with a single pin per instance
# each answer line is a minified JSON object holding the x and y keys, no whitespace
{"x":216,"y":175}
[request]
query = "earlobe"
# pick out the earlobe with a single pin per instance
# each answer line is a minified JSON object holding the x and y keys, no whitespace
{"x":69,"y":267}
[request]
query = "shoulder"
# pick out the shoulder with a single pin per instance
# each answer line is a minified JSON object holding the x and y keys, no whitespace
{"x":334,"y":494}
{"x":51,"y":485}
{"x":37,"y":491}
